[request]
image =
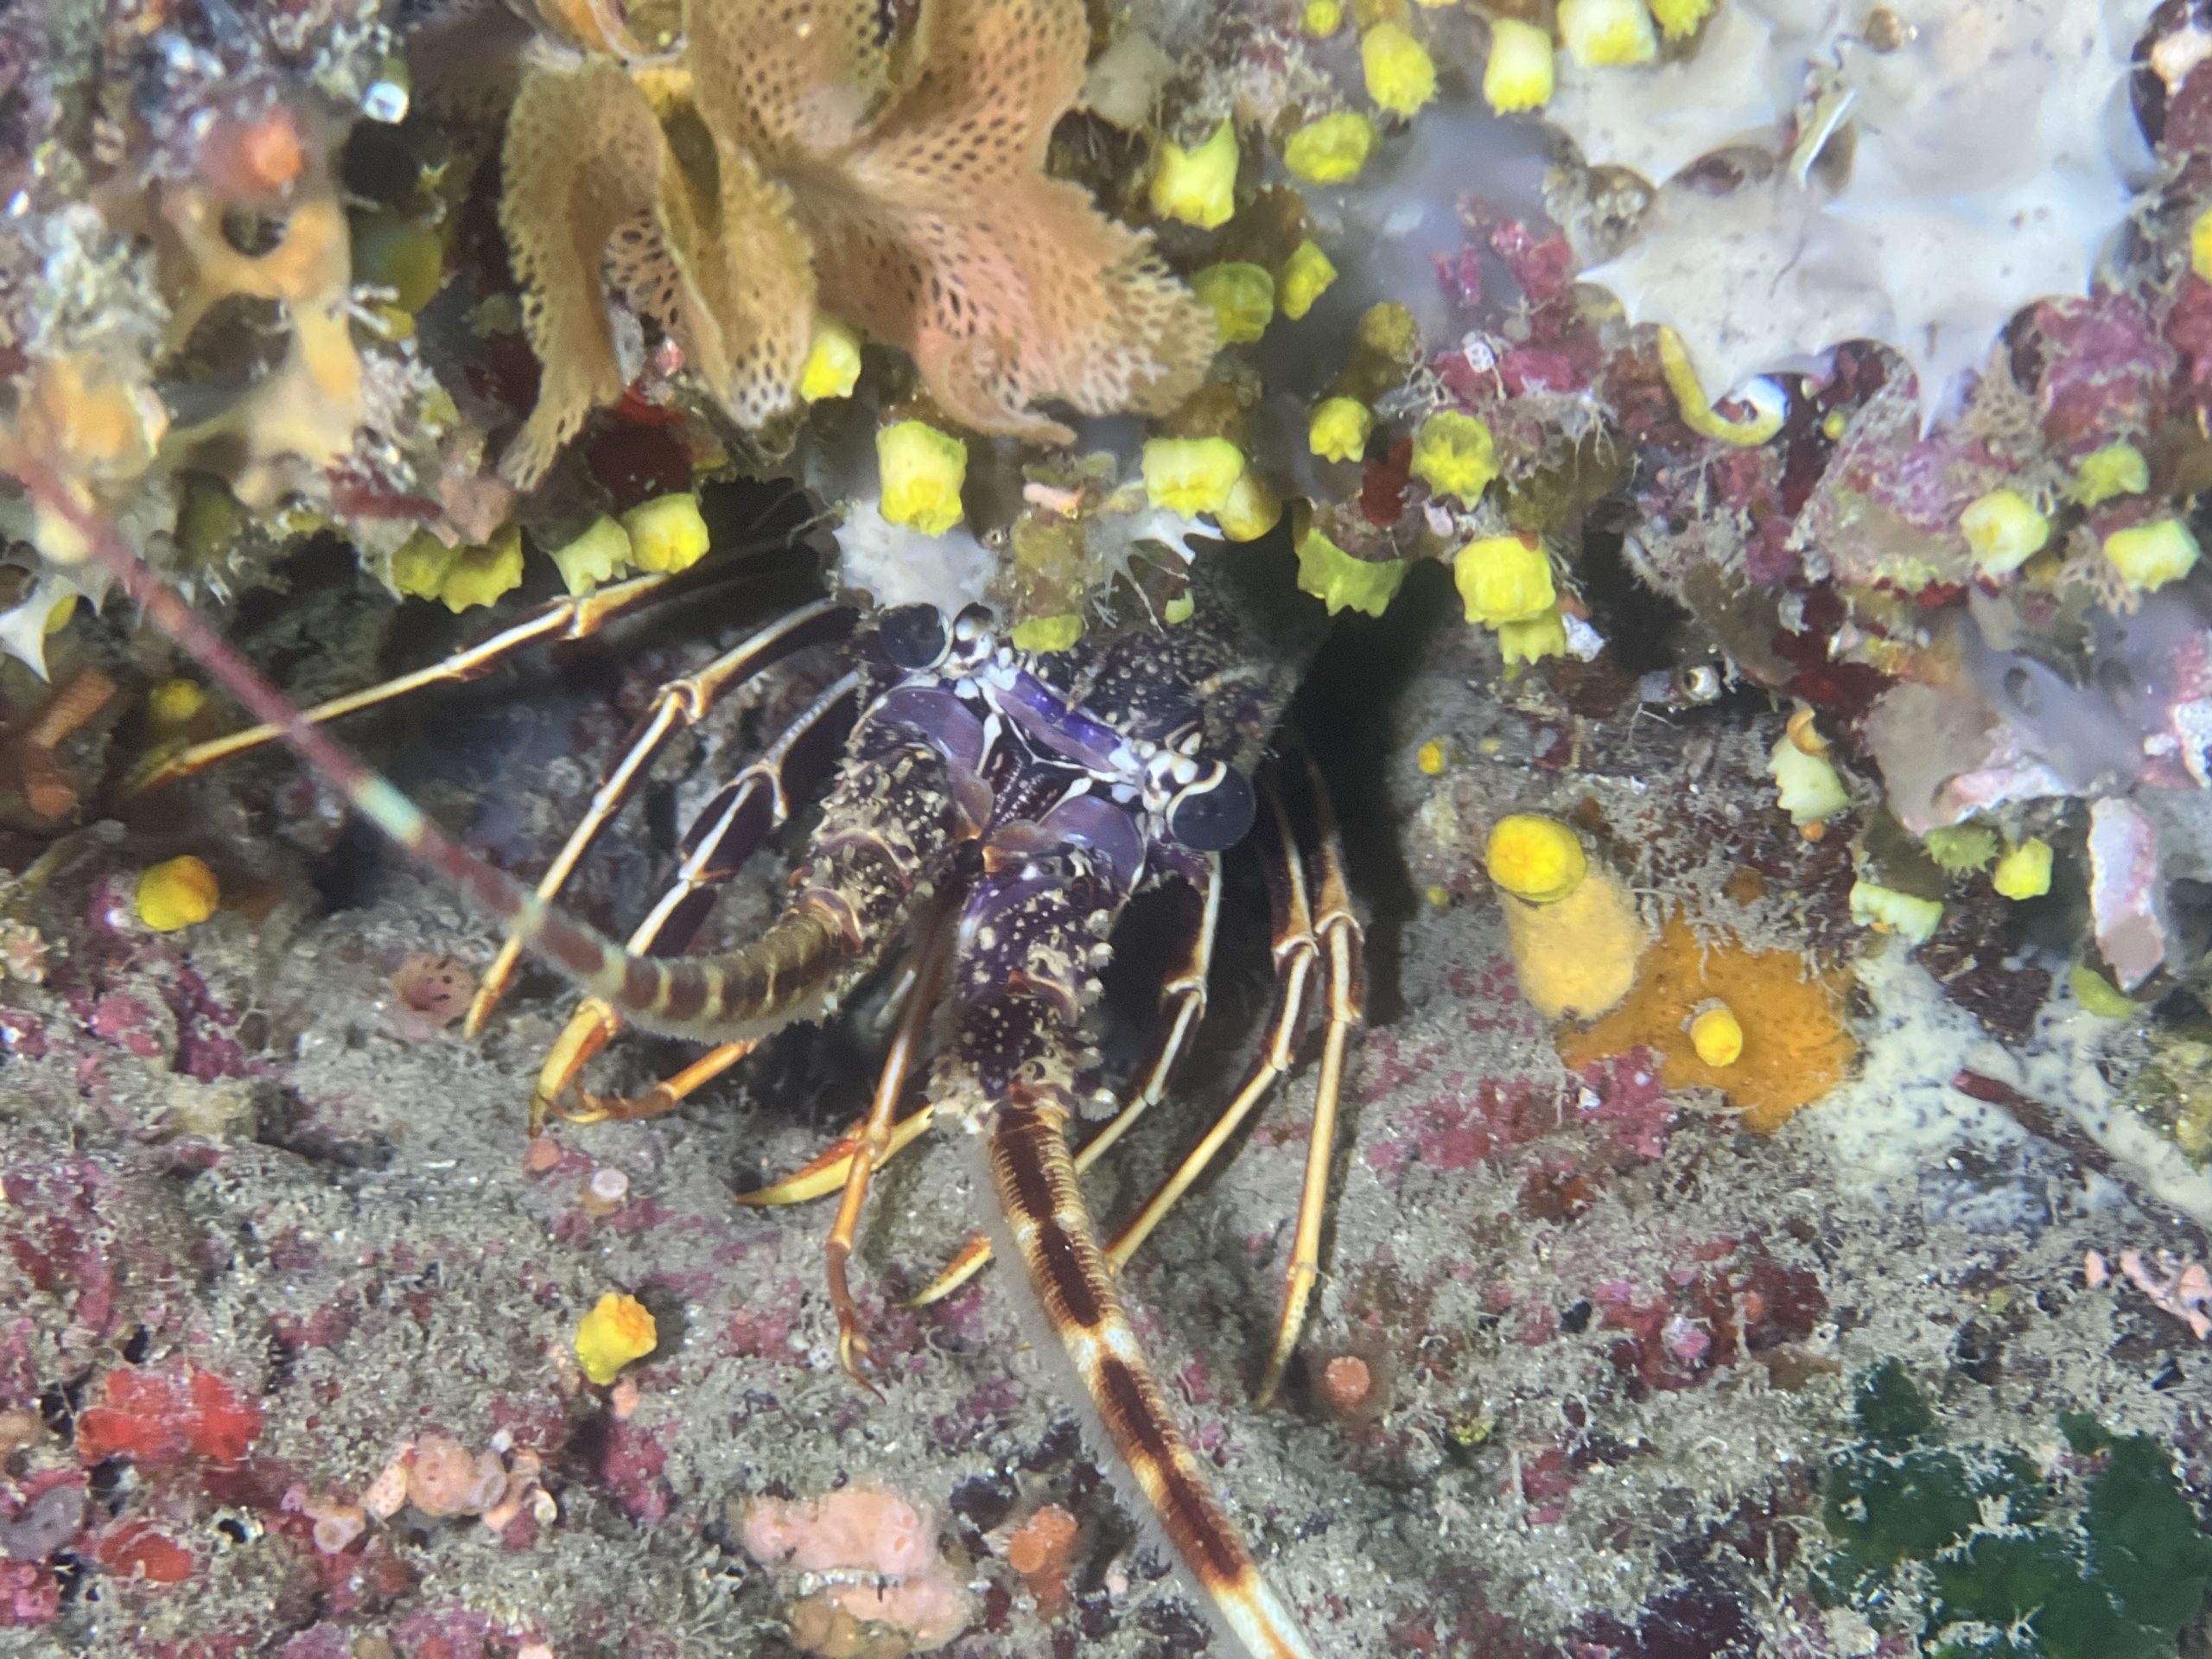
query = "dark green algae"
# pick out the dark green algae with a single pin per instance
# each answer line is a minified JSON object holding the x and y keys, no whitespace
{"x":2002,"y":1560}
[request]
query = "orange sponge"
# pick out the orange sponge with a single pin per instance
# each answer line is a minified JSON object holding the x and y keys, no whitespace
{"x":1796,"y":1045}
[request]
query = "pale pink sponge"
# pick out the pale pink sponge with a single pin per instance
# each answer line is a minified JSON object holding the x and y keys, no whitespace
{"x":890,"y":1591}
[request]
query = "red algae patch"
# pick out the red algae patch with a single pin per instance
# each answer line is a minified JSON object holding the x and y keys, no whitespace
{"x":1796,"y":1045}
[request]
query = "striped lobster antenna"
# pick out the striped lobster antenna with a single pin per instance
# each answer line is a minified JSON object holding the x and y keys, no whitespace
{"x":1016,"y":1068}
{"x":853,"y":894}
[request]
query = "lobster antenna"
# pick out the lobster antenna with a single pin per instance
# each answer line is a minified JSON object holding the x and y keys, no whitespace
{"x":596,"y":963}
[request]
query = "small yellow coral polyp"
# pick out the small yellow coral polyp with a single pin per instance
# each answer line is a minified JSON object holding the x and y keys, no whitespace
{"x":1332,"y":150}
{"x":2024,"y":871}
{"x":1191,"y":475}
{"x":1250,"y":511}
{"x":481,"y":573}
{"x":667,"y":533}
{"x":1502,"y":579}
{"x":832,"y":368}
{"x":1519,"y":75}
{"x":1242,"y":297}
{"x":1599,"y":34}
{"x":1535,"y":858}
{"x":1322,"y":17}
{"x":421,"y":564}
{"x":922,"y":470}
{"x":1198,"y":185}
{"x":2200,"y":246}
{"x":1717,"y":1037}
{"x":1796,"y":1045}
{"x":1305,"y":276}
{"x":1808,"y":787}
{"x":1432,"y":758}
{"x":1534,"y":639}
{"x":1960,"y":849}
{"x":1048,"y":633}
{"x":2117,"y":469}
{"x":1401,"y":75}
{"x":2003,"y":532}
{"x":1578,"y":956}
{"x":459,"y":577}
{"x":1342,"y":582}
{"x":177,"y":893}
{"x":1454,"y":454}
{"x":600,"y":554}
{"x":2150,"y":556}
{"x":1887,"y":911}
{"x":617,"y":1331}
{"x":1340,"y":429}
{"x":1678,"y":18}
{"x":172,"y":705}
{"x":2098,"y":995}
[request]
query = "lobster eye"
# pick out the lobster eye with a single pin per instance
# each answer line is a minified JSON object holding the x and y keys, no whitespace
{"x":1214,"y":814}
{"x":913,"y":636}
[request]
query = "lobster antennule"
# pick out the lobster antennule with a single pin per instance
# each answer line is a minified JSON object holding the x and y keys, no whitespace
{"x":775,"y":979}
{"x":1035,"y":1177}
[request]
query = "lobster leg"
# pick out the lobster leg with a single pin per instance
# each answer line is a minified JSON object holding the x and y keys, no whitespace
{"x":1183,"y":1005}
{"x":1296,"y":953}
{"x":680,"y":703}
{"x":894,"y":798}
{"x":874,"y":1144}
{"x":827,"y":1173}
{"x":743,"y":813}
{"x":1343,"y":943}
{"x":557,"y":622}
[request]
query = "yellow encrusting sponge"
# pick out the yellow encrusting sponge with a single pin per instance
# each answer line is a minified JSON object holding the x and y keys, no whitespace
{"x":177,"y":893}
{"x":617,"y":1330}
{"x":1519,"y":75}
{"x":1503,"y":579}
{"x":1600,"y":34}
{"x":922,"y":470}
{"x":1401,"y":75}
{"x":1332,"y":150}
{"x":1535,"y":858}
{"x":667,"y":533}
{"x":1198,"y":185}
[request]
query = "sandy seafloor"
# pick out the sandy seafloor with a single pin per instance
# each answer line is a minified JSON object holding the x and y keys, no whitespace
{"x":1616,"y":1335}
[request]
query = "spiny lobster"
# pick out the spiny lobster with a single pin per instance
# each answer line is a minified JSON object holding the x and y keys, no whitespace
{"x":994,"y":810}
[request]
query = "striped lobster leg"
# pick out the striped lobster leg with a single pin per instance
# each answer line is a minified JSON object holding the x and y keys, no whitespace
{"x":1343,"y":955}
{"x":677,"y":705}
{"x":894,"y":802}
{"x":742,"y":815}
{"x":1314,"y":930}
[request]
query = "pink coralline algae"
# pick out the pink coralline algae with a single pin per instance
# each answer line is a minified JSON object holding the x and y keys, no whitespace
{"x":1733,"y":1300}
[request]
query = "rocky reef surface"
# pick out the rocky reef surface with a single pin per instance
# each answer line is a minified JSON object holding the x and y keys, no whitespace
{"x":1752,"y":451}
